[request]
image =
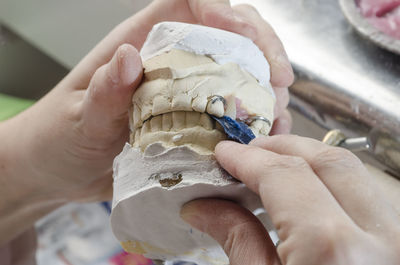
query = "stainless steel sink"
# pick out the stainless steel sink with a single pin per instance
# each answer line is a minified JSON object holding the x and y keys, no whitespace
{"x":342,"y":80}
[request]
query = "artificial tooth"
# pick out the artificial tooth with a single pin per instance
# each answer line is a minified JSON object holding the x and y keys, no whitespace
{"x":199,"y":104}
{"x":137,"y":135}
{"x":145,"y":128}
{"x":131,"y":138}
{"x":130,"y":115}
{"x":216,"y":108}
{"x":146,"y":112}
{"x":161,"y":105}
{"x":265,"y":129}
{"x":156,"y":123}
{"x":136,"y":116}
{"x":134,"y":137}
{"x":260,"y":124}
{"x":206,"y":122}
{"x":260,"y":127}
{"x":192,"y":119}
{"x":178,"y":120}
{"x":182,"y":102}
{"x":167,"y":121}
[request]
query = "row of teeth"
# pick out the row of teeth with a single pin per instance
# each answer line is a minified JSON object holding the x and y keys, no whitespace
{"x":180,"y":103}
{"x":176,"y":121}
{"x":183,"y":111}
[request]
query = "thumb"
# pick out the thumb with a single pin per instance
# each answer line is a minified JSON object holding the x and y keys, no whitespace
{"x":283,"y":124}
{"x":110,"y":91}
{"x":242,"y":236}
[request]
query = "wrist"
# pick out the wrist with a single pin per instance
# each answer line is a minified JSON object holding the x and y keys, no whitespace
{"x":22,"y":200}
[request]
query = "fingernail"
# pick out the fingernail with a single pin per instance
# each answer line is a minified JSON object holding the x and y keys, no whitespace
{"x":114,"y":69}
{"x":130,"y":65}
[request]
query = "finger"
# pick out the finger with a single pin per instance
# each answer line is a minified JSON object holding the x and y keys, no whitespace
{"x":109,"y":94}
{"x":219,"y":14}
{"x":238,"y":231}
{"x":282,"y":96}
{"x":266,"y":38}
{"x":292,"y":194}
{"x":283,"y":124}
{"x":245,"y":20}
{"x":342,"y":173}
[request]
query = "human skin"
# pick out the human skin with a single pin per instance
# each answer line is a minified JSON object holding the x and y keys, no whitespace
{"x":325,"y":205}
{"x":61,"y":149}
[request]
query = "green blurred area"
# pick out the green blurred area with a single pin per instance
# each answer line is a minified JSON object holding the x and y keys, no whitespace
{"x":11,"y":106}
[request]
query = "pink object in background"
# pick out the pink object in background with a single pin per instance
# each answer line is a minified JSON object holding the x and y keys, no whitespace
{"x":241,"y":114}
{"x":383,"y":14}
{"x":125,"y":258}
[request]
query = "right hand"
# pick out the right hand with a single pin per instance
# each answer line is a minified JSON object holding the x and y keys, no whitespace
{"x":326,"y":207}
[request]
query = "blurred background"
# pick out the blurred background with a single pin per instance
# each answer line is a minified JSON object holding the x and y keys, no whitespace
{"x":343,"y":81}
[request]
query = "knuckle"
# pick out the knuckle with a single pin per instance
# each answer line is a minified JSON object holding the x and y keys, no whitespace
{"x":238,"y":237}
{"x":335,"y":156}
{"x":289,"y":163}
{"x":326,"y":233}
{"x":330,"y":238}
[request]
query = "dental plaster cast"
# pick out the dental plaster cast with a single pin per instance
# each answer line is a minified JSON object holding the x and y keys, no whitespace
{"x":190,"y":73}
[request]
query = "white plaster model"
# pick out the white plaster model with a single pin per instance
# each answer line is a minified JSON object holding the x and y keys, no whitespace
{"x":189,"y":69}
{"x":222,"y":46}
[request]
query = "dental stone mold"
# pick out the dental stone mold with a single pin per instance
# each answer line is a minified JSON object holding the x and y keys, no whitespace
{"x":190,"y":73}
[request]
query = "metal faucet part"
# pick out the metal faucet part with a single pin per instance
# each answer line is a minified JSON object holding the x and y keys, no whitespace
{"x":337,"y":138}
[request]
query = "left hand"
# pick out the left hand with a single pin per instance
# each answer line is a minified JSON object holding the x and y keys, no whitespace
{"x":68,"y":140}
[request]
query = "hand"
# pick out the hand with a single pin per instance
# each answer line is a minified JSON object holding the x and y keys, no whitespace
{"x":72,"y":135}
{"x":62,"y":148}
{"x":326,"y":207}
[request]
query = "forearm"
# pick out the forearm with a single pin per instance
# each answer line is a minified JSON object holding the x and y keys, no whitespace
{"x":22,"y":200}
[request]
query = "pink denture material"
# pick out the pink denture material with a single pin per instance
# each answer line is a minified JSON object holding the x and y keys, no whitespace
{"x":241,"y":114}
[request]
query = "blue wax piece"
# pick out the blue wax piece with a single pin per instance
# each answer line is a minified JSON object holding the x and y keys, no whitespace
{"x":236,"y":130}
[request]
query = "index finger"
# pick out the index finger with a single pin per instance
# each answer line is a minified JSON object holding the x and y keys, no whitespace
{"x":292,"y":194}
{"x":343,"y":174}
